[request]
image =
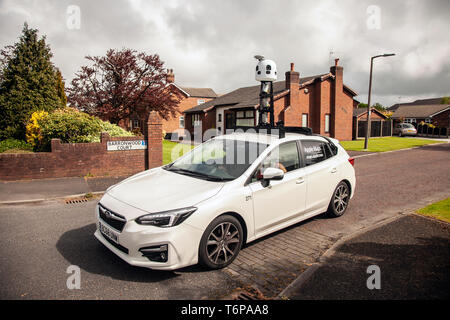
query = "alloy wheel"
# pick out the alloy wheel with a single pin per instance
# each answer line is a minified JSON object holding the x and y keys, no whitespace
{"x":341,"y":197}
{"x":223,"y":243}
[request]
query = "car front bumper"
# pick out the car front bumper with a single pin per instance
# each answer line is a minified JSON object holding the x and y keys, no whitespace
{"x":182,"y":242}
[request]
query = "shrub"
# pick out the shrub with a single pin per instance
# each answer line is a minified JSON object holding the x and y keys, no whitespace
{"x":71,"y":126}
{"x":33,"y":130}
{"x":11,"y":143}
{"x":112,"y":129}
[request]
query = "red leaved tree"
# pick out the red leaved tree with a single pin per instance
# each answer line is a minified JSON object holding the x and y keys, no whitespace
{"x":123,"y":83}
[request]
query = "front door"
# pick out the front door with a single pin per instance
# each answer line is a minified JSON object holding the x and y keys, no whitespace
{"x":284,"y":199}
{"x":229,"y":121}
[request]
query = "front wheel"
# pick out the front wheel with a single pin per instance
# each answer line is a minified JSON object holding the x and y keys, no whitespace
{"x":221,"y":242}
{"x":339,"y":202}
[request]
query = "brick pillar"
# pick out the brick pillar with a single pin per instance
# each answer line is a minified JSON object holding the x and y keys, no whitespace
{"x":154,"y":141}
{"x":55,"y":145}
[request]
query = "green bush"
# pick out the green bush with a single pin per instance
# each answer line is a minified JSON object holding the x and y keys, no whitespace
{"x":73,"y":126}
{"x":112,"y":129}
{"x":11,"y":143}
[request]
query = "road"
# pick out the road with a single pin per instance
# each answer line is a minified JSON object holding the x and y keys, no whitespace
{"x":40,"y":241}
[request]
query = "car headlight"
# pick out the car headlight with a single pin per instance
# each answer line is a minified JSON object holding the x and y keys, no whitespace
{"x":168,"y":218}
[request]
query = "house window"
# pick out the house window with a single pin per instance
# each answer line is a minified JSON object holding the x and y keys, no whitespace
{"x":327,"y":123}
{"x":134,"y":124}
{"x":304,"y":120}
{"x":409,"y":120}
{"x":196,"y":120}
{"x":182,"y":122}
{"x":200,"y":101}
{"x":427,"y":120}
{"x":245,"y":118}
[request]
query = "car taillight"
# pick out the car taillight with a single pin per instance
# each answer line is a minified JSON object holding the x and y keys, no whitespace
{"x":352,"y":161}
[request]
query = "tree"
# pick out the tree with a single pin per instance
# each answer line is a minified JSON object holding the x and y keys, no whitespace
{"x":60,"y":88}
{"x":377,"y":106}
{"x":122,"y":83}
{"x":445,"y":100}
{"x":27,"y":83}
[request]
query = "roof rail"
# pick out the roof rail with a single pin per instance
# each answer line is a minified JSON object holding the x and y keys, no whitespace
{"x":280,"y":130}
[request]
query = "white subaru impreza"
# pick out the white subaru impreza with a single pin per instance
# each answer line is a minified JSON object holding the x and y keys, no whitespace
{"x":226,"y":192}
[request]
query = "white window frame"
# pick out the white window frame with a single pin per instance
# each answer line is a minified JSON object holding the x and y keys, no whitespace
{"x":200,"y":101}
{"x":327,"y":123}
{"x":304,"y":120}
{"x":181,"y":123}
{"x":427,"y":120}
{"x":410,"y":120}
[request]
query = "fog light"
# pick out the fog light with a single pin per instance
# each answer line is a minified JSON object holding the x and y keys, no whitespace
{"x":156,"y":253}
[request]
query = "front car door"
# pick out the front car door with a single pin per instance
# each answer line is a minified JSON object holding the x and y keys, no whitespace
{"x":284,"y":199}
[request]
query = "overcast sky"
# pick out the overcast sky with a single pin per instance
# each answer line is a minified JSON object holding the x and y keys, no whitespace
{"x":212,"y":43}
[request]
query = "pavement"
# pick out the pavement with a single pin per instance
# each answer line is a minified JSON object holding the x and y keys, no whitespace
{"x":412,"y":253}
{"x":47,"y":189}
{"x":35,"y":255}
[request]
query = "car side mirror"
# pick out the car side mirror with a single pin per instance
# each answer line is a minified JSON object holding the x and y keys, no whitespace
{"x":271,"y":174}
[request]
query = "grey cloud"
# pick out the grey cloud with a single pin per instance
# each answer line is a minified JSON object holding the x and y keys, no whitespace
{"x":212,"y":43}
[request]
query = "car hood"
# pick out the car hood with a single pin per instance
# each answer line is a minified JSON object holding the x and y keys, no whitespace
{"x":159,"y":190}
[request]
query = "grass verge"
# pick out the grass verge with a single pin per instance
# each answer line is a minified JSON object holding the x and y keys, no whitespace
{"x":439,"y":210}
{"x":386,"y":144}
{"x":170,"y":153}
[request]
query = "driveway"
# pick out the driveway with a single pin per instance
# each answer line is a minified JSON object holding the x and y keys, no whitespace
{"x":40,"y":241}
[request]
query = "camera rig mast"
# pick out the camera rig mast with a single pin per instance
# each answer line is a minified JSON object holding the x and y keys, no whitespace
{"x":266,"y":73}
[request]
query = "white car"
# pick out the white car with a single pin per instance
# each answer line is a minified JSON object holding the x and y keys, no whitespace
{"x":228,"y":191}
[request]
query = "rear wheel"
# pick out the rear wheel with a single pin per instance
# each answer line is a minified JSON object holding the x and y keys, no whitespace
{"x":221,"y":242}
{"x":339,"y":202}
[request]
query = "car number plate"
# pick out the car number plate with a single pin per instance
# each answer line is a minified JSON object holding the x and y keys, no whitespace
{"x":108,"y":232}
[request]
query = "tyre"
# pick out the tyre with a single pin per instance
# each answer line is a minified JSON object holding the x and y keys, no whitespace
{"x":221,"y":242}
{"x":339,"y":201}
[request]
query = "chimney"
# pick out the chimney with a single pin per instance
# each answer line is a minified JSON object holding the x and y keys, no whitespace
{"x":337,"y":95}
{"x":292,"y":78}
{"x":170,"y":78}
{"x":292,"y":83}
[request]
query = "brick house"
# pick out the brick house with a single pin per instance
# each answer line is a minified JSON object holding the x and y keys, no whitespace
{"x":322,"y":102}
{"x":436,"y":114}
{"x":190,"y":97}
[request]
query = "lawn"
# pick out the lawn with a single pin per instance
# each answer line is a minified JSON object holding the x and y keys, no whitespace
{"x":439,"y":210}
{"x":386,"y":144}
{"x":168,"y":147}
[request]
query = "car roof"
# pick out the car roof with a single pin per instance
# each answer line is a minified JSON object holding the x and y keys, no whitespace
{"x":268,"y":138}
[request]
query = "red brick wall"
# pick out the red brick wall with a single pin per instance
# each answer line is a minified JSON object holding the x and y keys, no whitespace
{"x":80,"y":159}
{"x":442,"y":119}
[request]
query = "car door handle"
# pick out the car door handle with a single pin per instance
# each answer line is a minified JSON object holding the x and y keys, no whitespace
{"x":300,"y":181}
{"x":334,"y":170}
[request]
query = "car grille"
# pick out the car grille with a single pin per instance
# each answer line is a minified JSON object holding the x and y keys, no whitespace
{"x":111,"y":218}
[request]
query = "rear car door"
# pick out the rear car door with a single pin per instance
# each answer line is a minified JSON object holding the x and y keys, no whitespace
{"x":321,"y":173}
{"x":283,"y":199}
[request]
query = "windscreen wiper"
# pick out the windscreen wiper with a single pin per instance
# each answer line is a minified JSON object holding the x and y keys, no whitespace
{"x":198,"y":174}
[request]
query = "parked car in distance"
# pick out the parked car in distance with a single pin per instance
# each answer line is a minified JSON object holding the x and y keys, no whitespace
{"x":405,"y":129}
{"x":228,"y":191}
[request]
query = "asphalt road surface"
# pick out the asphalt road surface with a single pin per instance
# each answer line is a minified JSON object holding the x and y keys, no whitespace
{"x":40,"y":241}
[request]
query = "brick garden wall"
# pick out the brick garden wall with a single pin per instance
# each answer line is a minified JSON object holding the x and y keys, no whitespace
{"x":80,"y":159}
